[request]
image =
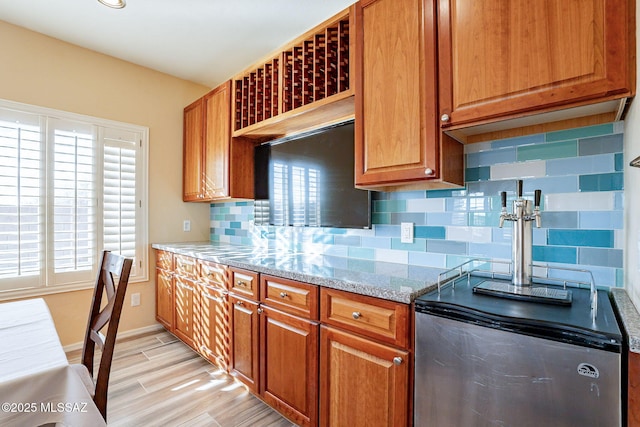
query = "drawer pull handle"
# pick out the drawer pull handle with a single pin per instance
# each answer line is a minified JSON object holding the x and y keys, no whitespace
{"x":397,"y":360}
{"x":356,"y":315}
{"x":283,"y":295}
{"x":241,"y":283}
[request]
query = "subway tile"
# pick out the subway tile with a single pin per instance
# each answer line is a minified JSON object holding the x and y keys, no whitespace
{"x":456,"y":260}
{"x":447,"y":247}
{"x":484,"y":219}
{"x":619,"y":283}
{"x":490,"y":250}
{"x":539,"y":236}
{"x":376,"y":242}
{"x":592,"y":238}
{"x":533,"y":169}
{"x":619,"y":238}
{"x":619,"y":162}
{"x":559,"y":219}
{"x":389,"y":205}
{"x":427,"y":259}
{"x":596,"y":201}
{"x":380,"y":218}
{"x":556,"y":184}
{"x":347,"y":240}
{"x":602,"y":182}
{"x":501,"y":235}
{"x":600,"y":163}
{"x":405,"y":195}
{"x":457,"y":204}
{"x":477,"y":174}
{"x":612,"y":220}
{"x":327,"y":239}
{"x":361,"y":253}
{"x":601,"y":257}
{"x":490,"y":188}
{"x":426,"y":205}
{"x":363,"y":266}
{"x":390,"y":255}
{"x":416,"y":245}
{"x":565,"y":255}
{"x":477,"y":147}
{"x":618,"y":200}
{"x":487,"y":158}
{"x":338,"y":251}
{"x":583,"y":132}
{"x":387,"y":230}
{"x":424,"y":232}
{"x":447,"y":218}
{"x":469,"y":234}
{"x":547,"y":151}
{"x":600,"y":145}
{"x":415,"y":217}
{"x":520,"y":140}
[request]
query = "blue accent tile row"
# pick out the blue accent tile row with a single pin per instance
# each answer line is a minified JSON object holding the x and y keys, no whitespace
{"x":568,"y":162}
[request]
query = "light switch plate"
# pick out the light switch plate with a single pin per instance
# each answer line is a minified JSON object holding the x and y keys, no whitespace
{"x":135,"y":299}
{"x":406,"y":232}
{"x":186,"y":225}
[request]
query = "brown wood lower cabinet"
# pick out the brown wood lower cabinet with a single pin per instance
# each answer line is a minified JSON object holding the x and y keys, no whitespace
{"x":164,"y":298}
{"x":212,"y":324}
{"x":289,"y":365}
{"x":362,"y":382}
{"x":185,"y":289}
{"x":243,"y":341}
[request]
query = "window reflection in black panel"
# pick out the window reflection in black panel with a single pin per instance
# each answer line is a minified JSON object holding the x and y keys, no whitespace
{"x":308,"y":180}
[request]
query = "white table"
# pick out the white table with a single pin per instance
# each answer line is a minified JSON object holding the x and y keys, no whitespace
{"x":37,"y":385}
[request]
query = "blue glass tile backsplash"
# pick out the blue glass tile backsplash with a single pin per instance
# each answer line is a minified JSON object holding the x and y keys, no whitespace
{"x":579,"y":172}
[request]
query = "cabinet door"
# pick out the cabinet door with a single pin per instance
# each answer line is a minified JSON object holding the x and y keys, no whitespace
{"x":396,"y":124}
{"x":289,"y":365}
{"x":508,"y":58}
{"x":243,"y":341}
{"x":184,"y":309}
{"x":211,"y":325}
{"x":192,"y":173}
{"x":363,"y":383}
{"x":164,"y":298}
{"x":217,"y":138}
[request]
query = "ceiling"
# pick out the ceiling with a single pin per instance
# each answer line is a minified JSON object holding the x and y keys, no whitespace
{"x":204,"y":41}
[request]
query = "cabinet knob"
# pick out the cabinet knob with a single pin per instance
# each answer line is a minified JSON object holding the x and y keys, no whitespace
{"x":283,"y":295}
{"x":397,"y":360}
{"x":356,"y":315}
{"x":238,"y":303}
{"x":241,"y":283}
{"x":428,"y":171}
{"x":260,"y":310}
{"x":444,"y":118}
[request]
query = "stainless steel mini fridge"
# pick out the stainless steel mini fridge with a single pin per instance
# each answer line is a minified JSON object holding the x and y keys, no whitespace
{"x":487,"y":361}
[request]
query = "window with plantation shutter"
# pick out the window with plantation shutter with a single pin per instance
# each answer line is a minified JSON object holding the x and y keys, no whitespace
{"x":70,"y":186}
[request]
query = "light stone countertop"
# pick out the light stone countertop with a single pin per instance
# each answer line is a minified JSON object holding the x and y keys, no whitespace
{"x":629,"y":316}
{"x":391,"y":281}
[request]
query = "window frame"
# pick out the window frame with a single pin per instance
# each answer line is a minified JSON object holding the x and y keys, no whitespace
{"x":142,"y":192}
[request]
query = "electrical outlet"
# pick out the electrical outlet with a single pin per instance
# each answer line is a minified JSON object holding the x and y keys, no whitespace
{"x":186,"y":225}
{"x":135,"y":299}
{"x":406,"y":232}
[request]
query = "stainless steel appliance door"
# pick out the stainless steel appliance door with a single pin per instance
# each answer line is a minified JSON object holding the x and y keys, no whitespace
{"x":469,"y":375}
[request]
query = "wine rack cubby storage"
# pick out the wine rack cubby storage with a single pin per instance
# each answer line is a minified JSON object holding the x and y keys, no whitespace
{"x":310,"y":73}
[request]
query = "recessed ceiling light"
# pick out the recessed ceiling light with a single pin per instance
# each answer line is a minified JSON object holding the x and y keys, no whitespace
{"x":116,"y":4}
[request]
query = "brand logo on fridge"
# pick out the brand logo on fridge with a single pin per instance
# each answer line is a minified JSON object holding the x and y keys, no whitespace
{"x":588,"y":370}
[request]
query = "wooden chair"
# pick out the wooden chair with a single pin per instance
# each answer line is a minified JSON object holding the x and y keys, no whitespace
{"x":110,"y":264}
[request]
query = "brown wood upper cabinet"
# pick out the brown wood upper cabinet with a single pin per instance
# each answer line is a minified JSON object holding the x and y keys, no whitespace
{"x":214,"y":165}
{"x":398,"y":140}
{"x":503,"y":59}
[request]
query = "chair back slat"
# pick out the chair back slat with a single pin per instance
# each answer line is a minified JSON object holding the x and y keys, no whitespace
{"x":105,"y":286}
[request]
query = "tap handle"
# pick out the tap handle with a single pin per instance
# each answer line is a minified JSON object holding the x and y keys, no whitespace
{"x":537,"y":195}
{"x":503,"y":196}
{"x":519,"y":187}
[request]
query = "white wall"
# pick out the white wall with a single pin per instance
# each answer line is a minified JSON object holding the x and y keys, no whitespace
{"x":632,"y":191}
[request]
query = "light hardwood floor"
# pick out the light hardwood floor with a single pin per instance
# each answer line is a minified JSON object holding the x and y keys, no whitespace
{"x":156,"y":380}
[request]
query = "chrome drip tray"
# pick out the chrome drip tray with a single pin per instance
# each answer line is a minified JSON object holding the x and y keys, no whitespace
{"x":533,"y":293}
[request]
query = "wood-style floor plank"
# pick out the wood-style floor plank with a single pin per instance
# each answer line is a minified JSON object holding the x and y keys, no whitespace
{"x":156,"y":380}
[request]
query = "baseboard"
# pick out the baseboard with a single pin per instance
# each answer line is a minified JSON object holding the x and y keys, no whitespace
{"x":125,"y":334}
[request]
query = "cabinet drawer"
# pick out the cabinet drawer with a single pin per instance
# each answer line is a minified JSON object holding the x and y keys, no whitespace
{"x":186,"y":266}
{"x":384,"y":320}
{"x":164,"y":260}
{"x":244,"y":282}
{"x":297,"y":298}
{"x":213,"y":274}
